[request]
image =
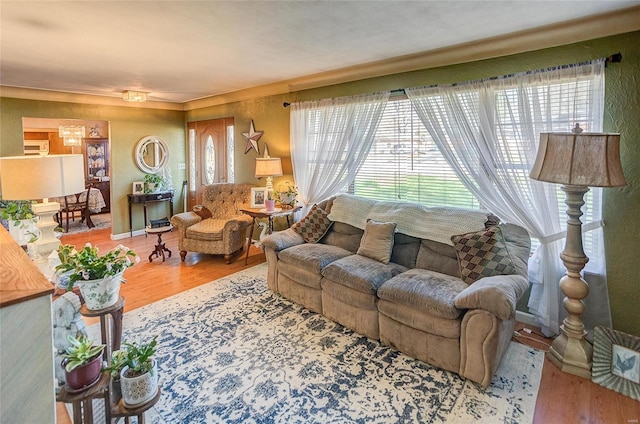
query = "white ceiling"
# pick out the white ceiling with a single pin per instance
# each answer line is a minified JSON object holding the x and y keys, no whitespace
{"x":185,"y":50}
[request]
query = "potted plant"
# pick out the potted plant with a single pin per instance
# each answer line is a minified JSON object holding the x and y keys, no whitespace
{"x":152,"y":183}
{"x":139,"y":373}
{"x":97,"y":276}
{"x":117,"y":363}
{"x":82,"y":362}
{"x":270,"y":202}
{"x":21,"y":221}
{"x":287,"y":197}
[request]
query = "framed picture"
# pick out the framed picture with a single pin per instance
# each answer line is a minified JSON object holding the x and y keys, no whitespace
{"x":258,"y":196}
{"x":138,"y":187}
{"x":616,"y":361}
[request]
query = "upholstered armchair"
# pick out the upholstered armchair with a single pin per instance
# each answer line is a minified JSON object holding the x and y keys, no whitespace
{"x":218,"y":228}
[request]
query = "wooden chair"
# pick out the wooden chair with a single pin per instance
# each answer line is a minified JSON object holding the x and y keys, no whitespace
{"x":73,"y":205}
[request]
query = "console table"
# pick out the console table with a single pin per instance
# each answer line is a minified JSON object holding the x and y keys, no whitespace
{"x":165,"y":196}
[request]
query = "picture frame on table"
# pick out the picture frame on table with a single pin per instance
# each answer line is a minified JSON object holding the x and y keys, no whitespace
{"x":258,"y":196}
{"x":616,"y":361}
{"x":138,"y":187}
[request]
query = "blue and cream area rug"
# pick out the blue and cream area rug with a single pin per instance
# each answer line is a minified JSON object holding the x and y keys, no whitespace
{"x":231,"y":351}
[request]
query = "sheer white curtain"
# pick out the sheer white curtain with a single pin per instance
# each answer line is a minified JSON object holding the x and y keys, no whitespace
{"x":329,"y":141}
{"x":489,"y":130}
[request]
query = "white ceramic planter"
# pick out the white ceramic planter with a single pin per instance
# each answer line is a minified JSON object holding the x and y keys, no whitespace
{"x":22,"y":231}
{"x":141,"y":389}
{"x":287,"y":199}
{"x":100,"y":294}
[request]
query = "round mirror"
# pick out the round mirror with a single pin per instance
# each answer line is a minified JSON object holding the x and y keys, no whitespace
{"x":152,"y":154}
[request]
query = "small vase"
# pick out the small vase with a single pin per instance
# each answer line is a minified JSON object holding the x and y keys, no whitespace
{"x":270,"y":205}
{"x":101,"y":293}
{"x":140,"y":389}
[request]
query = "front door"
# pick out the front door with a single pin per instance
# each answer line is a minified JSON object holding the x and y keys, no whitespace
{"x":209,"y":143}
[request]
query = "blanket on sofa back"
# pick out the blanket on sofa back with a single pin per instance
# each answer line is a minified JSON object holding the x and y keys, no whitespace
{"x":436,"y":223}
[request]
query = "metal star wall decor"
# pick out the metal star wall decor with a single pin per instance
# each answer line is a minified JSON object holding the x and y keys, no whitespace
{"x":252,"y":139}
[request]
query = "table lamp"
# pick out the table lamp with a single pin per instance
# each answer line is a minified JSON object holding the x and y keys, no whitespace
{"x":41,"y":177}
{"x":268,"y":167}
{"x":576,"y":160}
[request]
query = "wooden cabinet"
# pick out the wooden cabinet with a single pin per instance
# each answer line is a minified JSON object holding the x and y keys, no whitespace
{"x":97,"y":167}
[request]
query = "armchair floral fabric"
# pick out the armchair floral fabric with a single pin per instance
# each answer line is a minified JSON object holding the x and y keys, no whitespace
{"x":225,"y":231}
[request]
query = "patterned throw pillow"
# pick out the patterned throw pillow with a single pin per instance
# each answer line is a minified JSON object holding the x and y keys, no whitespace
{"x":313,"y":226}
{"x":482,"y":254}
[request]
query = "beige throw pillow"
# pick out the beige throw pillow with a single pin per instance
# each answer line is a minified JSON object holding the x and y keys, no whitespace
{"x":377,"y":240}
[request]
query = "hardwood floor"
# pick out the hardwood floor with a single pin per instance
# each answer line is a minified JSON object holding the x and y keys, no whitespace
{"x":563,"y":398}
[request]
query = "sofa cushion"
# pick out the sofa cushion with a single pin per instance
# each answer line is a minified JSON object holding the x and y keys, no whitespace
{"x":482,"y":254}
{"x":312,"y":257}
{"x":438,"y":257}
{"x":314,"y":225}
{"x":420,"y":320}
{"x":377,"y":241}
{"x":405,"y":250}
{"x":207,"y":230}
{"x":425,"y":290}
{"x":344,"y":235}
{"x":361,"y":273}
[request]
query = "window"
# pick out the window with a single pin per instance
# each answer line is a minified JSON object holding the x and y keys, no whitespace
{"x":405,"y":164}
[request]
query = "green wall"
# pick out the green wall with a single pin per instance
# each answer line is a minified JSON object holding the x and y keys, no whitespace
{"x":621,"y":211}
{"x":127,"y":126}
{"x":622,"y":206}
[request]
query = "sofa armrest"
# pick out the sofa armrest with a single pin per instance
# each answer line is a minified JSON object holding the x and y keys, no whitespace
{"x":282,"y":240}
{"x":185,"y":219}
{"x":237,"y":223}
{"x":497,"y":294}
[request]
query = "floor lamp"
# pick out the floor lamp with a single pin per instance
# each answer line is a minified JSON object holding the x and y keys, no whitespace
{"x":576,"y":160}
{"x":40,"y":177}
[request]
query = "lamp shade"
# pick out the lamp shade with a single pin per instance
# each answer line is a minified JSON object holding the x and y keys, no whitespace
{"x":268,"y":167}
{"x":41,"y":177}
{"x":585,"y":159}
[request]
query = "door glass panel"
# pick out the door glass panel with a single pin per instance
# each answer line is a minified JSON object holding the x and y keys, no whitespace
{"x":210,"y":161}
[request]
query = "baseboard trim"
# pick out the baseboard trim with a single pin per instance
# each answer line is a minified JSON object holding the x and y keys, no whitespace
{"x":127,"y":235}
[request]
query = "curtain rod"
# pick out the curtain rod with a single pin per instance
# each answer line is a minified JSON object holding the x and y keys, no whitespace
{"x":614,"y":58}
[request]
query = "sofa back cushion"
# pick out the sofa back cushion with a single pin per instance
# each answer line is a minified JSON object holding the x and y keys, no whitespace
{"x":405,"y":250}
{"x":343,"y":235}
{"x":225,"y":200}
{"x":438,"y":257}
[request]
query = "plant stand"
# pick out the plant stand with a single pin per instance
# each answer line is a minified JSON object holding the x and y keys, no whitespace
{"x":83,"y":401}
{"x":119,"y":410}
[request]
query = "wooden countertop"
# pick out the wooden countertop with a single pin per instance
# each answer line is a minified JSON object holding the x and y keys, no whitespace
{"x":20,"y":278}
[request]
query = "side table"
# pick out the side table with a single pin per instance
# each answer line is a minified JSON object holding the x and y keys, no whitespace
{"x":160,"y":247}
{"x":262,"y":213}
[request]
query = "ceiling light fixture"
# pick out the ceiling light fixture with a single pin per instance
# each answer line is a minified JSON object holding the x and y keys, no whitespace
{"x":71,"y":135}
{"x":134,"y":96}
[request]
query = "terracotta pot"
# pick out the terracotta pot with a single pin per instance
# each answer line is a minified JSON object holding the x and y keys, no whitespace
{"x":140,"y":389}
{"x":102,"y":293}
{"x":84,"y":375}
